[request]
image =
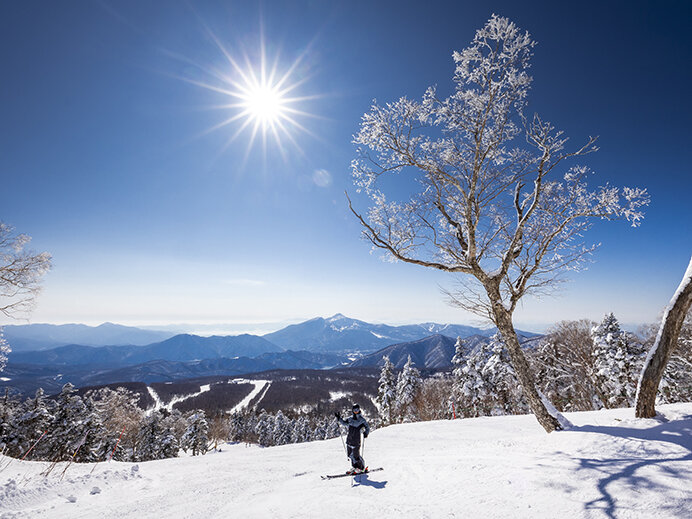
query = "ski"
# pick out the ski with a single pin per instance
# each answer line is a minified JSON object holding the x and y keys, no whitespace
{"x":367,"y":471}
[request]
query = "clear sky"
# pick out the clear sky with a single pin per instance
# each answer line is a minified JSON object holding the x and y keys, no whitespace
{"x":111,"y":160}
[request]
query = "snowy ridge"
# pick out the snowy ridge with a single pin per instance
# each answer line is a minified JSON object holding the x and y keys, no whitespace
{"x":609,"y":465}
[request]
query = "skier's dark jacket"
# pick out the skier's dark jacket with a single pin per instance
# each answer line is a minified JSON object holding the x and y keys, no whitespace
{"x":355,"y":424}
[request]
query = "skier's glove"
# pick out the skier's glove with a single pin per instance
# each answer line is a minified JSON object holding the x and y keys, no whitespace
{"x":338,"y":415}
{"x":365,"y":435}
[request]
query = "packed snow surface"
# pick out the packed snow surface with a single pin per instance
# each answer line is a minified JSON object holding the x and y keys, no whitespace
{"x":608,"y":465}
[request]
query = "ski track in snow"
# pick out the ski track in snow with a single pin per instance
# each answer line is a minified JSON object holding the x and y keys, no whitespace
{"x":158,"y":403}
{"x":259,"y":386}
{"x":609,"y":465}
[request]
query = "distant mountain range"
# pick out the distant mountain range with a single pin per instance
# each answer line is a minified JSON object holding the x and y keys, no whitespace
{"x":434,"y":352}
{"x":340,"y":333}
{"x":315,"y":344}
{"x":182,"y":347}
{"x":28,"y":337}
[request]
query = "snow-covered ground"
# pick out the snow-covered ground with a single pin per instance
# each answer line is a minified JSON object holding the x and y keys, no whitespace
{"x":608,"y":465}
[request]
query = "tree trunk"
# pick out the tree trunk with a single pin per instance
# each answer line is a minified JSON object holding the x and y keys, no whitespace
{"x":503,"y":320}
{"x":666,"y":341}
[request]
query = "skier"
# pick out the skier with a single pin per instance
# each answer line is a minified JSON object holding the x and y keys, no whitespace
{"x":355,"y":423}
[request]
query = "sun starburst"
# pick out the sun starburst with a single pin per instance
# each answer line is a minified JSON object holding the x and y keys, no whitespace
{"x":263,"y":100}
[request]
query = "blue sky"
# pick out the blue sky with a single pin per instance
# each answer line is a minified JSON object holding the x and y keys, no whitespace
{"x":108,"y":162}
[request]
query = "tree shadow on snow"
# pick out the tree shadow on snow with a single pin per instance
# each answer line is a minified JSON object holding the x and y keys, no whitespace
{"x":624,"y":469}
{"x":364,"y":480}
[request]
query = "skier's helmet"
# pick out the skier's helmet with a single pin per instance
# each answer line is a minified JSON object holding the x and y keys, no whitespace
{"x":356,"y":409}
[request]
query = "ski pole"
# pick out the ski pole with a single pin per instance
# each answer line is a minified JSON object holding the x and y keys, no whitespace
{"x":362,"y":454}
{"x":341,"y":435}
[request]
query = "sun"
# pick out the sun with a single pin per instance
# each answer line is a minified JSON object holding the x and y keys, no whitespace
{"x":264,"y":104}
{"x":263,"y":99}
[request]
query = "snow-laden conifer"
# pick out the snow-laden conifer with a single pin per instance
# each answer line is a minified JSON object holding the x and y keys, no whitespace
{"x":4,"y":350}
{"x":155,"y":441}
{"x":32,"y":425}
{"x":617,"y":360}
{"x":500,"y":378}
{"x":68,"y":430}
{"x":386,"y":392}
{"x":196,"y":436}
{"x":281,"y":435}
{"x":407,"y":387}
{"x":458,"y":362}
{"x":265,"y":429}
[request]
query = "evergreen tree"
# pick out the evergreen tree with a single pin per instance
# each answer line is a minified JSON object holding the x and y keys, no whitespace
{"x":501,"y":380}
{"x":31,"y":424}
{"x":236,"y":430}
{"x":301,"y":430}
{"x":9,"y":438}
{"x":282,"y":430}
{"x":407,"y":387}
{"x":265,"y":429}
{"x":386,"y":392}
{"x":458,"y":376}
{"x":320,"y":431}
{"x":69,"y":428}
{"x":616,"y":363}
{"x":147,"y":438}
{"x":471,"y":387}
{"x":196,"y":437}
{"x":4,"y":351}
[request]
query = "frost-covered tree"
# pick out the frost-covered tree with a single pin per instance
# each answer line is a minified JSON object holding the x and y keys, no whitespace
{"x":471,"y":391}
{"x":10,"y":439}
{"x":76,"y":431}
{"x":458,"y":361}
{"x":664,"y":346}
{"x":265,"y":429}
{"x":32,"y":424}
{"x":320,"y":431}
{"x":155,"y":439}
{"x":617,"y":360}
{"x":21,"y":271}
{"x":301,"y":430}
{"x":281,"y":434}
{"x":485,"y":383}
{"x":121,"y":417}
{"x":501,"y":380}
{"x":484,"y":191}
{"x":237,"y":427}
{"x":564,"y":365}
{"x":196,"y":437}
{"x":408,"y":385}
{"x":676,"y":383}
{"x":386,"y":392}
{"x":4,"y":351}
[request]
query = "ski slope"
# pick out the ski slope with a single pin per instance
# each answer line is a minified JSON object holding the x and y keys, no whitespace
{"x":609,"y":465}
